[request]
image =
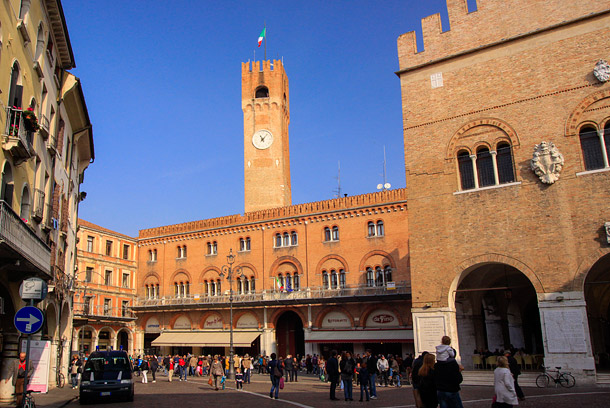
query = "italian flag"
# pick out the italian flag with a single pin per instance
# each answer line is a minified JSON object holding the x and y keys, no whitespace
{"x":261,"y":37}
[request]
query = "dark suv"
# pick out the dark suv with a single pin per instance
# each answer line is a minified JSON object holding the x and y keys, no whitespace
{"x":107,"y":375}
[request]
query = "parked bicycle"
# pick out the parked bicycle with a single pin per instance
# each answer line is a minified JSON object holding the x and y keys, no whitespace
{"x":28,"y":400}
{"x":60,"y":378}
{"x":562,"y":378}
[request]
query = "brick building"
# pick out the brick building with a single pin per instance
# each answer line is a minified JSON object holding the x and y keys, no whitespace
{"x":306,"y":278}
{"x":104,"y":290}
{"x":501,"y":253}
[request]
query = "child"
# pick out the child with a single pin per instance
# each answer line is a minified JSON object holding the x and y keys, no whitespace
{"x":239,"y":379}
{"x":365,"y":378}
{"x":444,"y":352}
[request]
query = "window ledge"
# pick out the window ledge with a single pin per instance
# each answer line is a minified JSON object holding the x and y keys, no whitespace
{"x":244,"y":250}
{"x":285,"y":247}
{"x":331,"y":241}
{"x":584,"y":173}
{"x":211,"y":254}
{"x":375,"y":236}
{"x":516,"y":183}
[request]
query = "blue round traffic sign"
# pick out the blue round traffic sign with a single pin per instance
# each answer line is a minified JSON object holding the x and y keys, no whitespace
{"x":29,"y":319}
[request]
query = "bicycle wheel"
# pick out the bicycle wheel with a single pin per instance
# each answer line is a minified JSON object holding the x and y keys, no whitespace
{"x":566,"y":380}
{"x":61,"y":380}
{"x":542,"y":381}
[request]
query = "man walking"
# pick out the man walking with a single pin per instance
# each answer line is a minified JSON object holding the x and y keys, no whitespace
{"x":371,"y":364}
{"x":332,"y":368}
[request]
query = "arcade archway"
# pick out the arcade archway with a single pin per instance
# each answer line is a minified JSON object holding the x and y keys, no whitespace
{"x":597,"y":296}
{"x":289,"y":335}
{"x":496,"y":308}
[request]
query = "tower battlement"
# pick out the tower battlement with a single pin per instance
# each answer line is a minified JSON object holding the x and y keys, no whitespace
{"x":471,"y":30}
{"x":266,"y":66}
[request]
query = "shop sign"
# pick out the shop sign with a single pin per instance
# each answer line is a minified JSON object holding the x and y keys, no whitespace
{"x":152,"y":326}
{"x":182,"y":323}
{"x":213,"y":322}
{"x":336,"y":319}
{"x":382,"y":318}
{"x":247,"y":321}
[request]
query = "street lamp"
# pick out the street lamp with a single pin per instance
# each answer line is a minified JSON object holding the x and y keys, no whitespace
{"x":228,"y":270}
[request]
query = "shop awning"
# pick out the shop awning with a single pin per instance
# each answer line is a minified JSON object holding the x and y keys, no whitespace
{"x":205,"y":339}
{"x":359,"y":336}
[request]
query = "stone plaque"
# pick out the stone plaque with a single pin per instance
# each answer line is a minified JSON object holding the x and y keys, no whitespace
{"x":429,"y":331}
{"x":565,"y":331}
{"x":247,"y":321}
{"x":336,"y":319}
{"x":213,"y":322}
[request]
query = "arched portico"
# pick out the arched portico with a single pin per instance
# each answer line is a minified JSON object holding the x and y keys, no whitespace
{"x":597,"y":297}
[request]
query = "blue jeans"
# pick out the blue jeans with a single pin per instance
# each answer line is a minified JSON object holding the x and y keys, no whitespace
{"x":373,"y":386}
{"x":74,"y":380}
{"x":275,"y":385}
{"x":347,"y":388}
{"x":183,"y":372}
{"x":364,"y":387}
{"x":449,"y":399}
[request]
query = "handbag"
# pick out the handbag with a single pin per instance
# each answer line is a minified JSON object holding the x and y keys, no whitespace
{"x":210,"y":381}
{"x":277,"y":372}
{"x":323,"y":378}
{"x":281,"y":383}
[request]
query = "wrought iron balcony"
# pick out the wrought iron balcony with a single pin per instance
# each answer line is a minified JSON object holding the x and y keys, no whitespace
{"x":20,"y":239}
{"x":349,"y":293}
{"x":17,"y":139}
{"x":100,"y":312}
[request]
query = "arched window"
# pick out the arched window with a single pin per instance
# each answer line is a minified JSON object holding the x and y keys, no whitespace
{"x":466,"y":172}
{"x":176,"y":290}
{"x":242,"y":244}
{"x":591,"y":148}
{"x":380,"y":229}
{"x":218,"y":288}
{"x":288,"y":282}
{"x":342,"y":283}
{"x":326,"y":234}
{"x":485,"y":167}
{"x":24,"y":9}
{"x":293,"y":238}
{"x":296,"y":281}
{"x":378,"y":276}
{"x":388,"y":273}
{"x":206,"y":288}
{"x":504,"y":160}
{"x":16,"y":90}
{"x":240,"y":286}
{"x":25,"y":204}
{"x":278,"y":240}
{"x":214,"y":248}
{"x":262,"y":92}
{"x":325,"y":282}
{"x":370,"y":277}
{"x":371,"y":229}
{"x":7,"y":184}
{"x":286,"y":241}
{"x":334,"y":279}
{"x":247,"y":243}
{"x":280,"y":282}
{"x":252,"y":285}
{"x":147,"y":292}
{"x":606,"y":138}
{"x":39,"y":43}
{"x":335,"y":233}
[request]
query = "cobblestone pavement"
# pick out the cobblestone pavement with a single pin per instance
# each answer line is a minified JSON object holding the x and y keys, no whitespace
{"x":310,"y":392}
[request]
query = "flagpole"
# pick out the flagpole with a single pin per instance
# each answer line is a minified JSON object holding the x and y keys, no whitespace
{"x":265,"y":39}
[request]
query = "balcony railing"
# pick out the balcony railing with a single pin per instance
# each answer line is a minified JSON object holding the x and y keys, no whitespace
{"x":38,"y":211}
{"x":17,"y":139}
{"x":100,"y":311}
{"x":16,"y":234}
{"x":311,"y":293}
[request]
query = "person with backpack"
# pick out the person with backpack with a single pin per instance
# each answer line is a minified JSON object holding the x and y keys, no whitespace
{"x":275,"y":373}
{"x":144,"y":369}
{"x":348,"y":365}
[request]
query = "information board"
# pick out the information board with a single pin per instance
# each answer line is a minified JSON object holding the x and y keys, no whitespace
{"x":40,"y":356}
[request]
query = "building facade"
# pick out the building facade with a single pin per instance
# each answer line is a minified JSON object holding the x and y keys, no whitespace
{"x":104,"y":290}
{"x":305,"y":278}
{"x":506,"y":129}
{"x":47,"y":144}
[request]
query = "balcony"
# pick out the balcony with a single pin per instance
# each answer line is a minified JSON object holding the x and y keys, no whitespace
{"x":44,"y":126}
{"x":17,"y":139}
{"x":19,"y":242}
{"x":100,"y":313}
{"x":38,"y":212}
{"x":347,"y":294}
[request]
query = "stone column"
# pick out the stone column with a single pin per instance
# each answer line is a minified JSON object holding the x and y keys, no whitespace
{"x":600,"y":134}
{"x":308,"y":346}
{"x":10,"y":354}
{"x":475,"y":172}
{"x":430,"y":325}
{"x":495,"y":166}
{"x":565,"y":332}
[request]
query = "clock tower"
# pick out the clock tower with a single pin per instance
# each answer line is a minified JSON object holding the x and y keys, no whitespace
{"x":264,"y":101}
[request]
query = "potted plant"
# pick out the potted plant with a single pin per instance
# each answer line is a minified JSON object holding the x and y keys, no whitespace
{"x":29,"y":120}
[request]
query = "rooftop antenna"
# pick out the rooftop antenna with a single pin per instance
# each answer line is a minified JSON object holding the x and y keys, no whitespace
{"x":385,"y":186}
{"x":338,"y":190}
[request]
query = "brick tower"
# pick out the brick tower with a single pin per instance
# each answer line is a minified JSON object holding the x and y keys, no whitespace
{"x":266,"y":152}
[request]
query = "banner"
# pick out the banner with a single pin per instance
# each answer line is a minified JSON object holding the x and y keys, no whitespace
{"x":40,"y":356}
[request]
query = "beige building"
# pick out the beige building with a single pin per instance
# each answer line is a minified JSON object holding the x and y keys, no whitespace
{"x":506,"y":129}
{"x":104,"y":290}
{"x":47,"y":144}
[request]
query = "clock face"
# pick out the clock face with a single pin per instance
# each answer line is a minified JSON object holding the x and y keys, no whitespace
{"x":262,"y":139}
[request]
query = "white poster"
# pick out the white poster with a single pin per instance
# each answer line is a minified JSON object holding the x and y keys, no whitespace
{"x":40,"y":356}
{"x":565,"y":331}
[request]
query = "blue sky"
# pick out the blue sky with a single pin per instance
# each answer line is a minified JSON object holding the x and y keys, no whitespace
{"x":162,"y":81}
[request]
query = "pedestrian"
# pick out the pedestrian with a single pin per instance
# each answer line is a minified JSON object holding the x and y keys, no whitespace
{"x":332,"y":369}
{"x":192,"y":365}
{"x":239,"y":379}
{"x":371,"y":364}
{"x":383,"y":367}
{"x":182,"y":368}
{"x":166,"y":364}
{"x":504,"y":385}
{"x":295,"y":370}
{"x":144,"y":369}
{"x":76,"y":367}
{"x":417,"y":363}
{"x":289,"y":369}
{"x":170,"y":372}
{"x":395,"y":371}
{"x":19,"y":377}
{"x":275,"y":373}
{"x":515,"y":370}
{"x":153,"y":363}
{"x":365,"y":378}
{"x":447,"y":378}
{"x":426,"y":385}
{"x":322,"y":368}
{"x":444,"y":351}
{"x":217,"y":371}
{"x":246,"y":363}
{"x":348,"y":365}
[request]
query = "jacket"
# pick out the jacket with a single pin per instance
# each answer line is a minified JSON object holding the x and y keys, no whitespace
{"x":447,"y":376}
{"x":332,"y":367}
{"x":216,"y":368}
{"x":504,"y":385}
{"x":16,"y":370}
{"x":347,"y":368}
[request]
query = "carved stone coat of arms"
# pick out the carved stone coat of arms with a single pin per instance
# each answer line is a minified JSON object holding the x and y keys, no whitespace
{"x":547,"y":162}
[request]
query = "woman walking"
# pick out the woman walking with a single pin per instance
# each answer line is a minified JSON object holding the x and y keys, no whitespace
{"x":144,"y":368}
{"x":426,"y":385}
{"x":216,"y":370}
{"x":75,"y":368}
{"x":348,"y":365}
{"x":504,"y":385}
{"x":275,"y":372}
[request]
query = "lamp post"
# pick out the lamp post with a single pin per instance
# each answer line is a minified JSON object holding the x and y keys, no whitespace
{"x":228,"y":270}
